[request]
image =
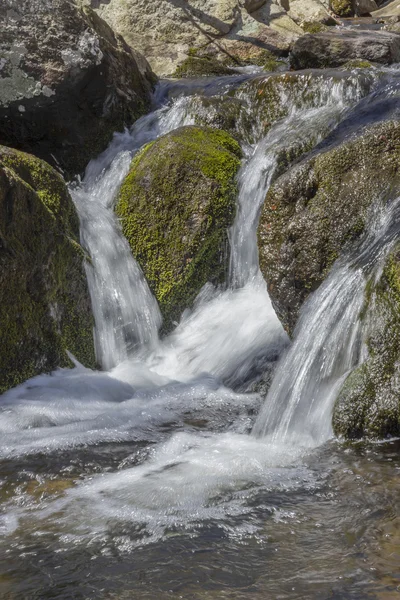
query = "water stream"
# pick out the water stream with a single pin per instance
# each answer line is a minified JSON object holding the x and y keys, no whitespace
{"x":159,"y":463}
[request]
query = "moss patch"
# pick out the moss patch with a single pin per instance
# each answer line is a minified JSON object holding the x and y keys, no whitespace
{"x":195,"y":66}
{"x":357,"y":64}
{"x":175,"y":206}
{"x":343,"y":8}
{"x":314,"y":27}
{"x":44,"y":301}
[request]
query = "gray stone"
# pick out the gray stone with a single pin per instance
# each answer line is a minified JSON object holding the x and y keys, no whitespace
{"x":67,"y":82}
{"x":333,"y":49}
{"x":364,"y":7}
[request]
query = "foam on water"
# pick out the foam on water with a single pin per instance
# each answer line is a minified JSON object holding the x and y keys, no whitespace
{"x":151,"y":387}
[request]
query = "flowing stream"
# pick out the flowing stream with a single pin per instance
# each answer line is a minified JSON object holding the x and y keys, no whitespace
{"x":160,"y":457}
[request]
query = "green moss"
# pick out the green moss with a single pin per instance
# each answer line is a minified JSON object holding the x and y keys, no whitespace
{"x":314,"y":27}
{"x":176,"y":205}
{"x":368,"y":404}
{"x":195,"y":66}
{"x":357,"y":64}
{"x":343,"y":8}
{"x":44,"y":301}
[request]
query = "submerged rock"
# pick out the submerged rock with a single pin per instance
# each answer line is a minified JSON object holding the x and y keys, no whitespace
{"x":318,"y":206}
{"x":175,"y":206}
{"x":44,"y":300}
{"x":368,"y":404}
{"x":67,"y":82}
{"x":334,"y":48}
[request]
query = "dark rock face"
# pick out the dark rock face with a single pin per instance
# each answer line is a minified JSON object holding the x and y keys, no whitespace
{"x":333,"y":49}
{"x":317,"y":207}
{"x":175,"y":206}
{"x":44,"y":301}
{"x":67,"y":82}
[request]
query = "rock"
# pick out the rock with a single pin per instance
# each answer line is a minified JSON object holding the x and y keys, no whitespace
{"x":164,"y":31}
{"x":333,"y":49}
{"x":67,"y":81}
{"x":285,"y":25}
{"x":309,"y":11}
{"x":202,"y":66}
{"x":44,"y":301}
{"x":392,"y":9}
{"x":364,"y":7}
{"x":252,"y":5}
{"x":168,"y":32}
{"x":250,"y":42}
{"x":175,"y":206}
{"x":316,"y":208}
{"x":368,"y":405}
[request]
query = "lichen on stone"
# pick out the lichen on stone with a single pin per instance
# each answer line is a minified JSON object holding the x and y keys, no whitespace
{"x":175,"y":207}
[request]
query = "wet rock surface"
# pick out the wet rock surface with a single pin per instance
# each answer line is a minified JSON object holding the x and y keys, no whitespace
{"x":44,"y":300}
{"x":368,"y":404}
{"x":316,"y":208}
{"x":67,"y":82}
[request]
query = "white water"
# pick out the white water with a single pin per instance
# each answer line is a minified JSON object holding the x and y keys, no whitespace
{"x":227,"y":337}
{"x":328,"y":342}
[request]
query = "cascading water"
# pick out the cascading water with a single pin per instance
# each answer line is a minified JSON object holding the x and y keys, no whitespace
{"x":328,"y":342}
{"x":199,"y":462}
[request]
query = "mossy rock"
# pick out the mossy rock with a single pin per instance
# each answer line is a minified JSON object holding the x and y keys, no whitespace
{"x":197,"y":66}
{"x":342,"y":8}
{"x":368,"y":405}
{"x":175,"y":206}
{"x":318,"y":207}
{"x":314,"y":27}
{"x":44,"y":301}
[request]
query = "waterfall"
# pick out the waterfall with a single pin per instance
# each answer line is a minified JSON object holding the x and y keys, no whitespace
{"x":126,"y":314}
{"x":231,"y":335}
{"x":159,"y":441}
{"x":328,"y":342}
{"x":314,"y":108}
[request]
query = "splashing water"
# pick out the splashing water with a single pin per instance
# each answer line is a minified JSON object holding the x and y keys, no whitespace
{"x":151,"y":387}
{"x":328,"y":343}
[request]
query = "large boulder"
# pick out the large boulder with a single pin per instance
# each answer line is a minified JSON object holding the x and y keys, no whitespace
{"x":67,"y":82}
{"x":44,"y":300}
{"x":334,"y":49}
{"x":317,"y":207}
{"x":368,"y":404}
{"x":175,"y":206}
{"x":166,"y":32}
